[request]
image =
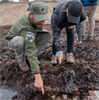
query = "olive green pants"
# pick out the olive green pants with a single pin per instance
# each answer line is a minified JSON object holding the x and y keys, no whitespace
{"x":17,"y":43}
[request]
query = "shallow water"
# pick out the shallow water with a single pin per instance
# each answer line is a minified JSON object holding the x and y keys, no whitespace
{"x":6,"y":94}
{"x":9,"y":94}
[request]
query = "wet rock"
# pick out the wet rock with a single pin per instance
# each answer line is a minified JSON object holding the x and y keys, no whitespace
{"x":68,"y":80}
{"x":64,"y":96}
{"x":6,"y":58}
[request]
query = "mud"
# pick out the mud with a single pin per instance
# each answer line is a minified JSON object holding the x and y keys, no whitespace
{"x":81,"y":76}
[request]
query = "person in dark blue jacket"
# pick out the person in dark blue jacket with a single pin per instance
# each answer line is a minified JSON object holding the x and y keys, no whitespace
{"x":28,"y":9}
{"x":89,"y":10}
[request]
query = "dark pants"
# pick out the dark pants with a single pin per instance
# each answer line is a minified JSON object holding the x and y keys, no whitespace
{"x":79,"y":30}
{"x":56,"y":36}
{"x":70,"y":40}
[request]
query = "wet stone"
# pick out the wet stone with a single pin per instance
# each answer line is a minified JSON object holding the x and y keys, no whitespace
{"x":6,"y":58}
{"x":0,"y":62}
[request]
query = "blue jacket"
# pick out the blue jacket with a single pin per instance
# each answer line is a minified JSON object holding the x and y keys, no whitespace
{"x":28,"y":9}
{"x":88,"y":3}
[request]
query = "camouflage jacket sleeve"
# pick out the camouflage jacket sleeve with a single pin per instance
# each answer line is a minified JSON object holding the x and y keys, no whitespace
{"x":30,"y":49}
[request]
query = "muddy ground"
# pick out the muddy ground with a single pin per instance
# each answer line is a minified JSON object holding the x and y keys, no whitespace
{"x":83,"y":75}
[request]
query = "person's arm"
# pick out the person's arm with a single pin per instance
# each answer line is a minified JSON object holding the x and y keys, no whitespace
{"x":56,"y":40}
{"x":71,"y":27}
{"x":39,"y":82}
{"x":31,"y":51}
{"x":59,"y":56}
